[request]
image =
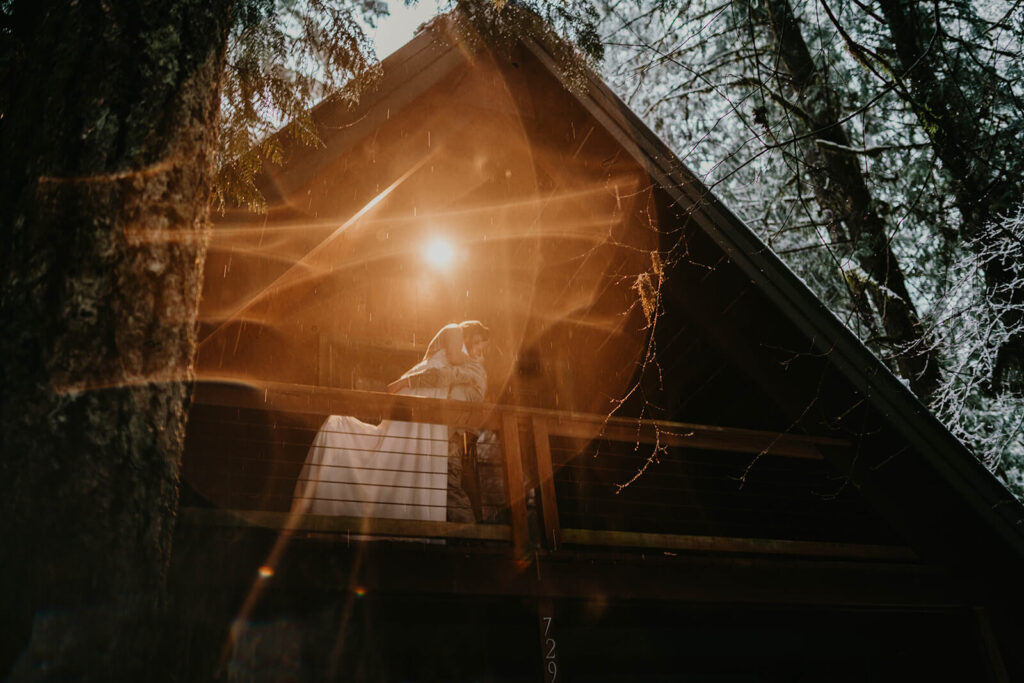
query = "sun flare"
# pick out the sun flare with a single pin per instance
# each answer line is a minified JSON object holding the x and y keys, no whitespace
{"x":440,"y":253}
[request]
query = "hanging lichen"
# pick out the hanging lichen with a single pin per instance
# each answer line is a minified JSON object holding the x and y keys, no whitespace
{"x":648,"y":289}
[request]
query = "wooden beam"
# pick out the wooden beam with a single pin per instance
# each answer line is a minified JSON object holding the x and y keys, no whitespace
{"x":758,"y":546}
{"x":300,"y":398}
{"x":546,"y":476}
{"x":284,"y":521}
{"x":993,"y":656}
{"x":586,"y":574}
{"x":514,"y":481}
{"x":297,"y":398}
{"x":693,"y":436}
{"x":707,"y":580}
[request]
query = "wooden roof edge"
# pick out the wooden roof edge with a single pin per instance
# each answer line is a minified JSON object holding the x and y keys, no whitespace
{"x":907,"y":415}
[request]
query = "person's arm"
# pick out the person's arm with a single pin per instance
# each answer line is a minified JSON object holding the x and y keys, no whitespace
{"x":431,"y":377}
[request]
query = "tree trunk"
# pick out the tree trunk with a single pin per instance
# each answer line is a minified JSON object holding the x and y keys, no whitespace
{"x":108,"y":132}
{"x":949,"y":95}
{"x":843,"y":196}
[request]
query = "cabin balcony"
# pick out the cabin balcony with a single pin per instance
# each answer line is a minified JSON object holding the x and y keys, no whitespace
{"x":546,"y":481}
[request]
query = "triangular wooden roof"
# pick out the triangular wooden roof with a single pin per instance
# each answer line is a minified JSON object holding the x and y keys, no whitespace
{"x":947,"y":504}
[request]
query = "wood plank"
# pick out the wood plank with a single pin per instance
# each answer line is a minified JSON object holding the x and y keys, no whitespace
{"x":692,"y":436}
{"x":514,"y":479}
{"x":344,"y":525}
{"x":299,"y":398}
{"x":993,"y":656}
{"x":546,"y":475}
{"x":585,"y":573}
{"x":501,"y":532}
{"x":488,"y":569}
{"x":759,"y":546}
{"x":703,"y":579}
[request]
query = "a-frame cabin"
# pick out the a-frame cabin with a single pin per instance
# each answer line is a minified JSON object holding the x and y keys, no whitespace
{"x":798,"y":514}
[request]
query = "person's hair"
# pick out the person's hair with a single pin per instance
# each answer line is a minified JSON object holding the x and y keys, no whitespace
{"x":474,"y":328}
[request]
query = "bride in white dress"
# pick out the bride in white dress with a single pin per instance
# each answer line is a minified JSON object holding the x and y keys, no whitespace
{"x":395,"y":469}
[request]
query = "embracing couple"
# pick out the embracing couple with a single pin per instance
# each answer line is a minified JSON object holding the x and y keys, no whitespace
{"x":452,"y":367}
{"x":402,"y":469}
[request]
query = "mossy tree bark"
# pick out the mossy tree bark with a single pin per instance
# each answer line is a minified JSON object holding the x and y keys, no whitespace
{"x":108,"y":132}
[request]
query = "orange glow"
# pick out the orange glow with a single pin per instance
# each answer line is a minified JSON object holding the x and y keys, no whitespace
{"x":536,"y":225}
{"x":439,"y":253}
{"x":266,"y":572}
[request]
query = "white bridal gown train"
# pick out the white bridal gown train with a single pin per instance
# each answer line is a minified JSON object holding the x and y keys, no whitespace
{"x":395,"y":469}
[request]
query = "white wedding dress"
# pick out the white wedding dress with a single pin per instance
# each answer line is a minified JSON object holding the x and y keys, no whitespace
{"x":395,"y":469}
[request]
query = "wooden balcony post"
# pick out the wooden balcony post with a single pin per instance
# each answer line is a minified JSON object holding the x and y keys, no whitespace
{"x":514,"y":477}
{"x":546,"y":477}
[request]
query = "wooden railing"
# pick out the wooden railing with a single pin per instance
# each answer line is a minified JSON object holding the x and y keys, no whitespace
{"x":527,"y":436}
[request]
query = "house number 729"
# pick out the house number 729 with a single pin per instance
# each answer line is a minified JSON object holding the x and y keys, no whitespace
{"x":551,"y":666}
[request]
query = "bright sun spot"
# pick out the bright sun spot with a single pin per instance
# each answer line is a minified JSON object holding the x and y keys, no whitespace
{"x":440,"y":253}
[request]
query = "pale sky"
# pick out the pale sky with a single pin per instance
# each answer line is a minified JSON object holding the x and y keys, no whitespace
{"x":396,"y":30}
